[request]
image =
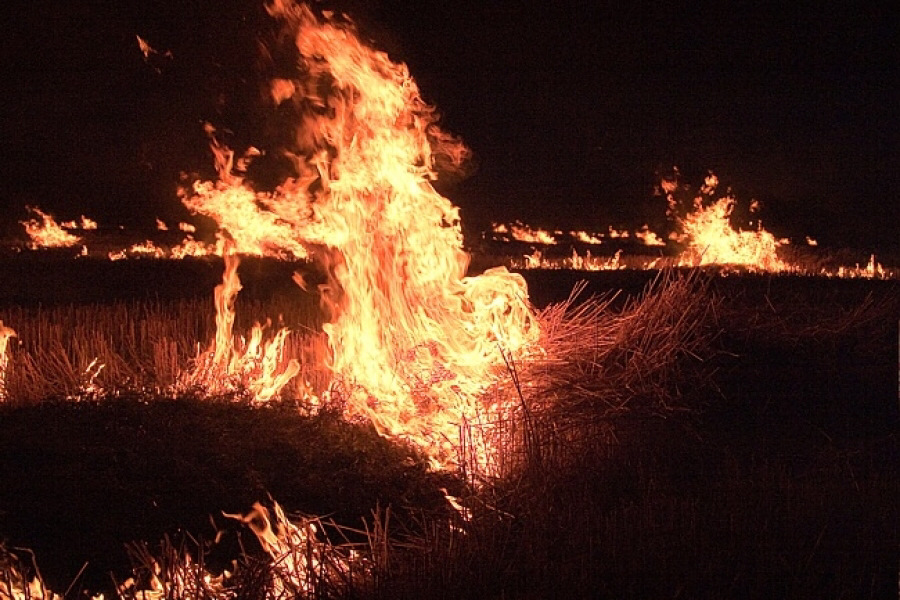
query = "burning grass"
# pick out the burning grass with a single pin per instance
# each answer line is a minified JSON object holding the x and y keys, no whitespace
{"x":710,"y":437}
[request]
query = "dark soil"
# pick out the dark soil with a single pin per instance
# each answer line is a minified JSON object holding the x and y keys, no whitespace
{"x":83,"y":479}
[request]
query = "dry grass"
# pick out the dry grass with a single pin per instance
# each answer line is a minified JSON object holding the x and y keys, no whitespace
{"x":602,"y":364}
{"x":127,"y":346}
{"x":607,"y":489}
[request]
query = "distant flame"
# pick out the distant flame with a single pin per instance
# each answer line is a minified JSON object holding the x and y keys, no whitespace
{"x":587,"y":238}
{"x":45,"y":232}
{"x":85,"y":224}
{"x":712,"y":240}
{"x":647,"y":237}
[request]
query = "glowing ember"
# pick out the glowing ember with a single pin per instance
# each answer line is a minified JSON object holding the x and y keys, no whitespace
{"x":414,"y":342}
{"x":45,"y":232}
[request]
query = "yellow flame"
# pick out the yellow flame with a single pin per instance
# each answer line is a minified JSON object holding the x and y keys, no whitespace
{"x":587,"y":238}
{"x":648,"y":237}
{"x":85,"y":224}
{"x":414,"y":342}
{"x":712,"y":240}
{"x":45,"y":232}
{"x":234,"y":365}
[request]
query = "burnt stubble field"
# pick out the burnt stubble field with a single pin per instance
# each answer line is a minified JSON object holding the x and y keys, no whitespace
{"x":763,"y":464}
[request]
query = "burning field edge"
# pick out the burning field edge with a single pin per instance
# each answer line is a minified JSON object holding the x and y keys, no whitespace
{"x":377,"y":419}
{"x":710,"y":436}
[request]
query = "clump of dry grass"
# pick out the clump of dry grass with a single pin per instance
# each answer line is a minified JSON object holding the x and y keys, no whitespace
{"x":126,"y":346}
{"x":601,"y":363}
{"x":289,"y":558}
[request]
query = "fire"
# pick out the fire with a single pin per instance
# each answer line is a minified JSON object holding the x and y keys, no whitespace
{"x":85,"y":224}
{"x":647,"y":237}
{"x":712,"y":240}
{"x":5,"y":334}
{"x":45,"y":232}
{"x":587,"y":238}
{"x":413,"y":341}
{"x":233,"y":365}
{"x":703,"y":224}
{"x":523,"y":233}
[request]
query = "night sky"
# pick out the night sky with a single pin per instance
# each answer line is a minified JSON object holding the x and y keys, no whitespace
{"x":570,"y":111}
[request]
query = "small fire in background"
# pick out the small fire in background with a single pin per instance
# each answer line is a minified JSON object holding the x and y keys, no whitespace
{"x":44,"y":232}
{"x":84,"y":224}
{"x":523,"y":233}
{"x":703,"y":224}
{"x":647,"y":237}
{"x":587,"y":238}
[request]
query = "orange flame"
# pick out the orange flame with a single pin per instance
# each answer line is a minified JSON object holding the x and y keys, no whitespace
{"x":648,"y":237}
{"x":712,"y":240}
{"x":45,"y":232}
{"x":587,"y":238}
{"x":85,"y":224}
{"x":414,"y":342}
{"x":234,"y":365}
{"x":523,"y":233}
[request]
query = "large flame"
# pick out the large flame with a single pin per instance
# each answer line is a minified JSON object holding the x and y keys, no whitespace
{"x":413,"y":341}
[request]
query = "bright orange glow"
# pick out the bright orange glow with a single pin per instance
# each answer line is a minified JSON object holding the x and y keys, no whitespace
{"x":587,"y":238}
{"x":523,"y":233}
{"x":413,"y":341}
{"x":85,"y":224}
{"x":233,"y":365}
{"x":45,"y":232}
{"x":713,"y":241}
{"x":647,"y":237}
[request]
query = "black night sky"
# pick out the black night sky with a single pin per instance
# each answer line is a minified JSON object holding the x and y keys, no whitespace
{"x":570,"y":110}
